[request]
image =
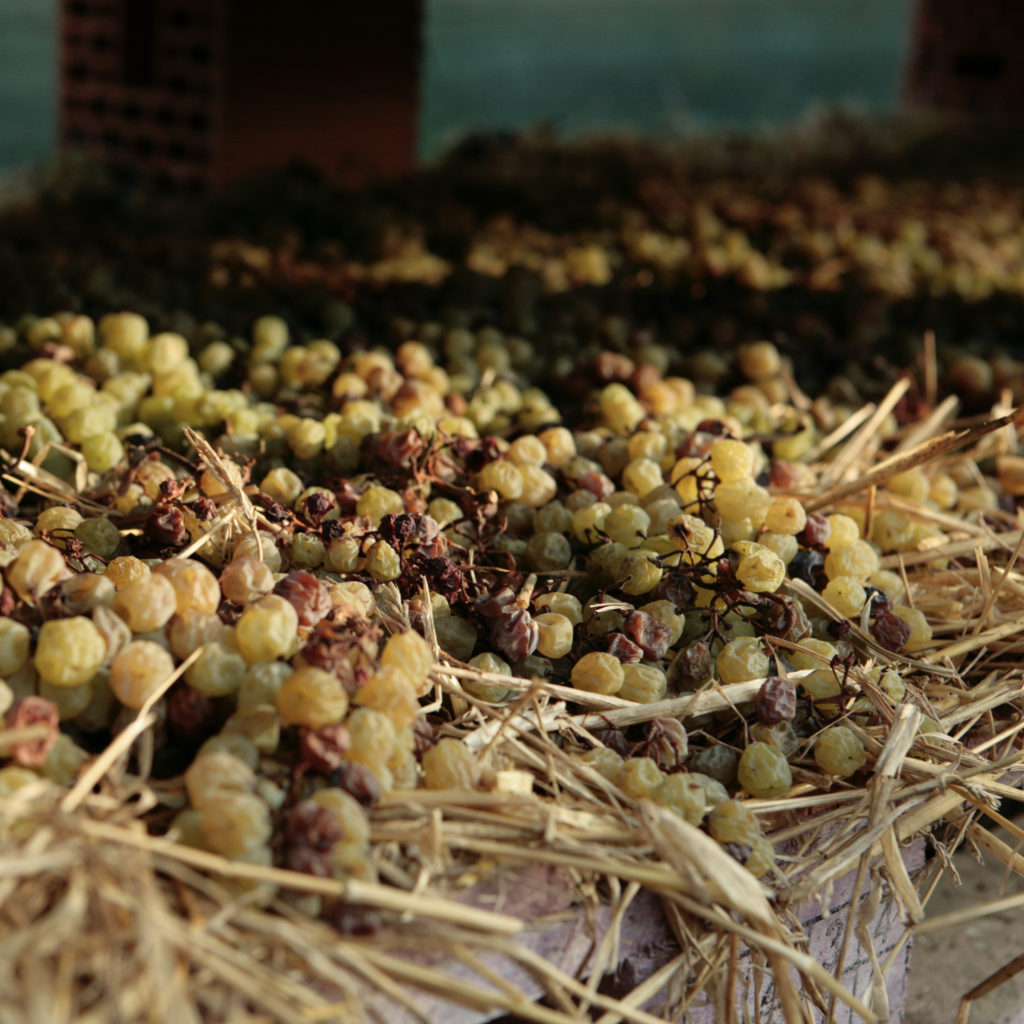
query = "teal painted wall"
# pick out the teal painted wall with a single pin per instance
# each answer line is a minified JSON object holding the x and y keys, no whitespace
{"x":655,"y":67}
{"x":28,"y":80}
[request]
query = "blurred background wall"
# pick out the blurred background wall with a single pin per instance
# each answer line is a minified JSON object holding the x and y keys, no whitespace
{"x":652,"y":67}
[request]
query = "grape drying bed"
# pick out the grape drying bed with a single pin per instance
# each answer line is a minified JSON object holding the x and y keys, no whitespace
{"x":349,"y":678}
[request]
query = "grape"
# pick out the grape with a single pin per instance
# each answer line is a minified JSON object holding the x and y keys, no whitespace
{"x":857,"y":559}
{"x":604,"y":761}
{"x":217,"y":671}
{"x":235,"y":824}
{"x":731,"y":460}
{"x":14,"y":646}
{"x":69,"y":652}
{"x":846,"y":594}
{"x":786,"y":516}
{"x":731,"y":821}
{"x":717,"y":762}
{"x":449,"y":765}
{"x":761,"y":572}
{"x":267,"y":629}
{"x":741,"y":659}
{"x":563,"y":604}
{"x":839,"y":752}
{"x":681,"y":794}
{"x":763,"y":771}
{"x":147,"y":603}
{"x":307,"y":595}
{"x":390,"y":690}
{"x":842,"y":530}
{"x":920,"y":629}
{"x":215,"y":774}
{"x":36,"y":570}
{"x":816,"y":532}
{"x":643,"y":683}
{"x":548,"y":551}
{"x":554,"y":634}
{"x":312,"y":697}
{"x":514,"y":633}
{"x":409,"y":652}
{"x":195,"y":587}
{"x":776,"y":701}
{"x":639,"y":777}
{"x":138,"y":670}
{"x":28,"y":712}
{"x":598,"y":672}
{"x":890,"y":630}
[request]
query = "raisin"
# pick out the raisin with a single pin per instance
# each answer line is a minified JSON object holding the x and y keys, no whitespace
{"x":491,"y":605}
{"x":890,"y":630}
{"x":808,"y":566}
{"x":165,"y":526}
{"x":652,"y":636}
{"x":816,"y":531}
{"x":691,"y":666}
{"x":324,"y":749}
{"x":357,"y":780}
{"x":776,"y":701}
{"x":191,"y":716}
{"x":620,"y":646}
{"x":515,"y":634}
{"x":34,"y":711}
{"x":306,"y":594}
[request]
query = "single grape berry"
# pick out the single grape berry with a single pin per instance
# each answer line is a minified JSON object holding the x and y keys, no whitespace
{"x":809,"y":567}
{"x":620,"y":646}
{"x":839,"y":752}
{"x":514,"y":633}
{"x":890,"y":630}
{"x":764,"y":771}
{"x":651,"y":635}
{"x":816,"y":531}
{"x":776,"y":701}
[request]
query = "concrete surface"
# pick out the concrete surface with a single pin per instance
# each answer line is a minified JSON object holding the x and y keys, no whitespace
{"x":947,"y":964}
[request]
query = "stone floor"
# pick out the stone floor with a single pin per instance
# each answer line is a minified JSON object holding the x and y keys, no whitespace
{"x":949,"y":963}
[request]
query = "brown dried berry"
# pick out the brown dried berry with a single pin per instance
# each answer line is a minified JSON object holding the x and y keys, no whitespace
{"x":318,"y":506}
{"x":203,"y":508}
{"x":490,"y":606}
{"x":324,"y":749}
{"x":442,"y":574}
{"x":816,"y":531}
{"x":890,"y":630}
{"x":776,"y":701}
{"x":359,"y":781}
{"x":675,"y":587}
{"x":191,"y":716}
{"x":306,"y":594}
{"x":620,"y":646}
{"x":422,"y":737}
{"x":310,"y":832}
{"x":29,"y":712}
{"x":653,"y":636}
{"x":353,"y":918}
{"x":691,"y":666}
{"x":397,"y":450}
{"x":165,"y":526}
{"x":515,"y":634}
